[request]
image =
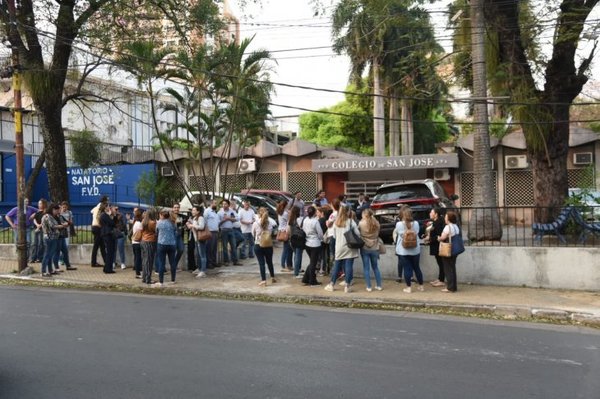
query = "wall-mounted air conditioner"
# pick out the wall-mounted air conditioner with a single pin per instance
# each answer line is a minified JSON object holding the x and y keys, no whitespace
{"x":441,"y":174}
{"x":167,"y":171}
{"x":582,"y":158}
{"x":516,"y":162}
{"x":247,"y":165}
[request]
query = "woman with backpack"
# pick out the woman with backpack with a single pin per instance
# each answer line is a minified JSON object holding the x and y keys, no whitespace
{"x":314,"y":237}
{"x":369,"y":232}
{"x":262,"y":231}
{"x":297,"y":249}
{"x":283,"y":235}
{"x":344,"y":255}
{"x":450,"y":231}
{"x":408,"y":249}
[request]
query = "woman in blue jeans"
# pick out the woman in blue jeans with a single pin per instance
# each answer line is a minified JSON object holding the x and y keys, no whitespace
{"x":369,"y":231}
{"x":282,"y":219}
{"x":195,"y":224}
{"x":166,"y":246}
{"x":264,"y":253}
{"x":51,"y":228}
{"x":408,"y":257}
{"x":344,"y":255}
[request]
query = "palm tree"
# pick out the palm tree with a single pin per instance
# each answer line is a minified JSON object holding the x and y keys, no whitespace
{"x":358,"y":28}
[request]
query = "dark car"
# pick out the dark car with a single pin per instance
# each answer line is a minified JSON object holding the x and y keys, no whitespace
{"x":275,"y":195}
{"x":256,"y":201}
{"x":420,"y":195}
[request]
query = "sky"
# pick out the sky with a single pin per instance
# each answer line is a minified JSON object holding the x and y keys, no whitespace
{"x":286,"y":26}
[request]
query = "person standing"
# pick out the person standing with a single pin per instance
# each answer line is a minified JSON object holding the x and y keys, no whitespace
{"x":37,"y":249}
{"x":282,"y":221}
{"x":298,"y":203}
{"x":97,"y":233}
{"x":227,"y":217}
{"x":107,"y":231}
{"x":433,"y":232}
{"x":65,"y":216}
{"x":295,"y":219}
{"x":247,"y":217}
{"x":331,"y":237}
{"x":363,"y":203}
{"x":369,"y":232}
{"x":212,"y":221}
{"x":450,"y":230}
{"x":323,"y":213}
{"x":409,"y":254}
{"x":136,"y":238}
{"x":263,"y":247}
{"x":148,"y":245}
{"x":314,"y":238}
{"x":121,"y":227}
{"x":320,"y":199}
{"x":180,"y":222}
{"x":51,"y":228}
{"x":195,"y":225}
{"x":12,"y":219}
{"x":166,"y":231}
{"x":344,"y":255}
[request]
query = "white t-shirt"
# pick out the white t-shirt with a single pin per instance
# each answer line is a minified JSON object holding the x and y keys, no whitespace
{"x":247,"y":217}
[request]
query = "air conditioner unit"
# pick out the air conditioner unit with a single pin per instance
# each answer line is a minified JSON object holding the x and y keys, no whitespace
{"x":582,"y":158}
{"x":247,"y":165}
{"x":441,"y":174}
{"x":167,"y":171}
{"x":516,"y":162}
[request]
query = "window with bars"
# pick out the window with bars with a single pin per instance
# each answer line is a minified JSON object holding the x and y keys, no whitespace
{"x":518,"y":188}
{"x":199,"y":183}
{"x":305,"y":182}
{"x":467,"y":187}
{"x":268,"y":181}
{"x":232,"y":183}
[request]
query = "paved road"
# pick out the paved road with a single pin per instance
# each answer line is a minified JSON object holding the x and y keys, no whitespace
{"x":59,"y":344}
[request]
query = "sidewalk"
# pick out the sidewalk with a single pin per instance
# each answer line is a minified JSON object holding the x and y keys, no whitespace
{"x":242,"y":282}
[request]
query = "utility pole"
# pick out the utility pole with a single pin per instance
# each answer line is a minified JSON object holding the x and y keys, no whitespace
{"x":484,"y":223}
{"x":19,"y":152}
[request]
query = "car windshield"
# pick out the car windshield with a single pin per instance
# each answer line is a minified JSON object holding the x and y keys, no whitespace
{"x":404,"y":192}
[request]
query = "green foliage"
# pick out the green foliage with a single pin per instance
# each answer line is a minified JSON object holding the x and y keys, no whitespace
{"x":156,"y":190}
{"x":595,"y":126}
{"x":86,"y":148}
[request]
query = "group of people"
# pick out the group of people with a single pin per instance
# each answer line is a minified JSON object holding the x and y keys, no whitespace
{"x":48,"y":229}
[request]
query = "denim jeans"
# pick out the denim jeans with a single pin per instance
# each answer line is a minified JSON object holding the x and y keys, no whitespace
{"x":28,"y":233}
{"x":264,"y":255}
{"x":201,"y":260}
{"x":297,"y":260}
{"x":211,"y":249}
{"x":286,"y":255}
{"x":51,"y":250}
{"x":162,"y":252}
{"x":247,"y":243}
{"x":121,"y":249}
{"x":228,"y":237}
{"x":63,"y":250}
{"x":179,"y":248}
{"x":370,"y":259}
{"x":347,"y":265}
{"x":148,"y":256}
{"x":410,"y":263}
{"x":137,"y":258}
{"x":37,"y":249}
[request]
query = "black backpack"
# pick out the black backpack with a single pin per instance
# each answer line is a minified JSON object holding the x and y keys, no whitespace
{"x":298,"y":236}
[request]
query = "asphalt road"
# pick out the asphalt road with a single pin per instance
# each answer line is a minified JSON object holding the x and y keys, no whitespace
{"x":67,"y":344}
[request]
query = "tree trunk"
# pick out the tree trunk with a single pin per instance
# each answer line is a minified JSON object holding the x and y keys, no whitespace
{"x":484,"y":223}
{"x":394,"y":124}
{"x":378,"y":112}
{"x":54,"y":149}
{"x":404,"y":130}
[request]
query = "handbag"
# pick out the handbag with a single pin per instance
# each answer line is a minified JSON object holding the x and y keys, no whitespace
{"x":265,"y":239}
{"x":353,"y":240}
{"x":282,"y":235}
{"x":382,"y":249}
{"x":453,"y":247}
{"x":204,"y":234}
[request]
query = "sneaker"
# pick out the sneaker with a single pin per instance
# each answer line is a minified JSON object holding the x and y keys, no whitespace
{"x":298,"y":276}
{"x":321,"y":274}
{"x":408,"y":290}
{"x":369,"y":289}
{"x":197,"y":271}
{"x":347,"y":289}
{"x":262,"y":283}
{"x":379,"y":288}
{"x":420,"y":288}
{"x":71,"y":268}
{"x":284,"y":270}
{"x":171,"y":283}
{"x":329,"y":287}
{"x":157,"y":285}
{"x":343,"y":283}
{"x":201,"y":275}
{"x":123,"y":267}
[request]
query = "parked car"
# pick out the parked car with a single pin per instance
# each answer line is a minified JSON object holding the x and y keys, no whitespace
{"x":257,"y":201}
{"x":275,"y":195}
{"x":420,"y":195}
{"x":587,"y":201}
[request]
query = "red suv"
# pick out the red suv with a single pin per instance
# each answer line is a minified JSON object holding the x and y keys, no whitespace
{"x":420,"y":195}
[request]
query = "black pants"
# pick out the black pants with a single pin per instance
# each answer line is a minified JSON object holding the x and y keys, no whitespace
{"x":191,"y":253}
{"x":450,"y":271}
{"x":111,"y":250}
{"x":310,"y":275}
{"x":137,"y":258}
{"x":98,"y":243}
{"x":441,"y":273}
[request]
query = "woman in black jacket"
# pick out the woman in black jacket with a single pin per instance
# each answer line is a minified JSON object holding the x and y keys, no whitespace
{"x":107,"y":225}
{"x":433,"y":231}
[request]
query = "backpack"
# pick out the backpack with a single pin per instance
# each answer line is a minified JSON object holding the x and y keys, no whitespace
{"x":298,"y":236}
{"x":409,"y":239}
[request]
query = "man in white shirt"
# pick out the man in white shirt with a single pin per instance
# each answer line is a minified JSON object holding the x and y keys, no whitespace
{"x":298,"y":203}
{"x":247,"y":217}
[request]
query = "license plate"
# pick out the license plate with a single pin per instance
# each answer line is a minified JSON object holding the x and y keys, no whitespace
{"x":386,"y":212}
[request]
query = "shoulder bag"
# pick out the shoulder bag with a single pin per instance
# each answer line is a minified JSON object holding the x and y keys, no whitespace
{"x":282,"y":235}
{"x":353,"y":240}
{"x":453,"y":247}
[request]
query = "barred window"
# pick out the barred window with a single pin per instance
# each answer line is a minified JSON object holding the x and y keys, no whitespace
{"x":305,"y":182}
{"x":268,"y":181}
{"x":467,"y":187}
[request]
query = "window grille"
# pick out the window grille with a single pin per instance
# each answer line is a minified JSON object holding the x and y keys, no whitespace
{"x":199,"y":183}
{"x":232,"y":183}
{"x":581,"y":178}
{"x":467,"y":187}
{"x":268,"y":181}
{"x":353,"y":189}
{"x":305,"y":182}
{"x":518,"y":188}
